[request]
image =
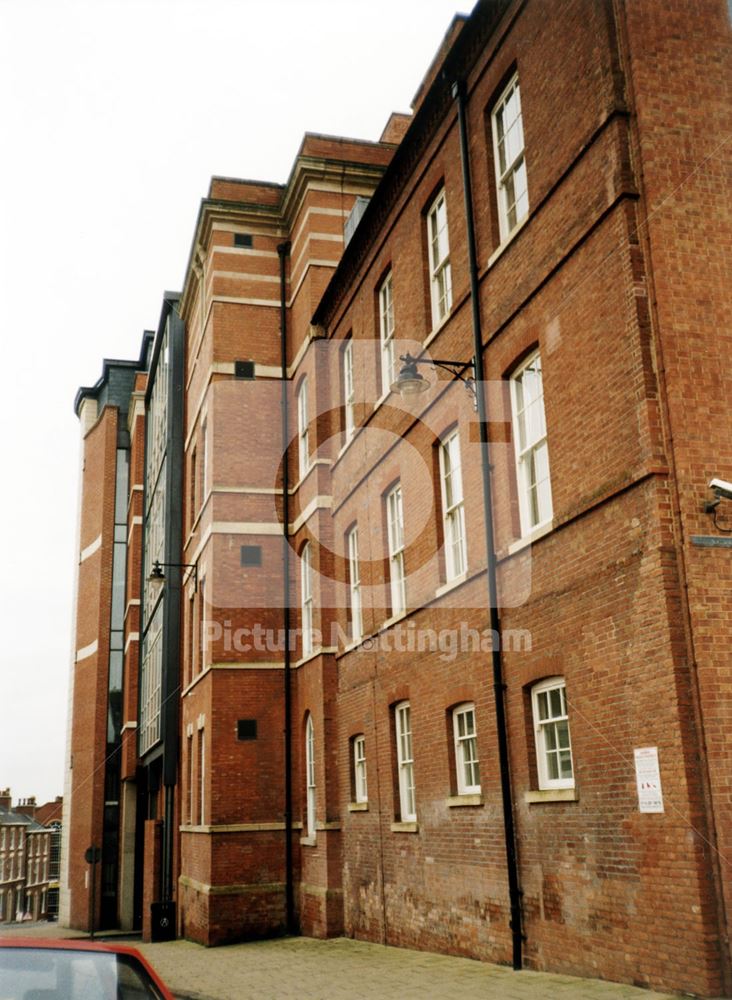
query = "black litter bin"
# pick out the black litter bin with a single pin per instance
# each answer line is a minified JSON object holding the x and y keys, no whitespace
{"x":162,"y":921}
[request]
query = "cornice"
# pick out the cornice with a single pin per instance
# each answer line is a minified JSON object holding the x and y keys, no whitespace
{"x":308,"y":169}
{"x":276,"y":220}
{"x":256,"y":216}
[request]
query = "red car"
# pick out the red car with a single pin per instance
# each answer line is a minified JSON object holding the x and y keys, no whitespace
{"x":36,"y":969}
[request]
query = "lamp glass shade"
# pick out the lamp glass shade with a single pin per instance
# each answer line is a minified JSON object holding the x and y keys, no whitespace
{"x":409,"y":382}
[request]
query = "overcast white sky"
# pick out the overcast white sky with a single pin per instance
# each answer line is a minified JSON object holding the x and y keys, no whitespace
{"x":113,"y":116}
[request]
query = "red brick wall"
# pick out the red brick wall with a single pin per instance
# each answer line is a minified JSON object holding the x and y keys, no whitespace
{"x":686,"y":193}
{"x":151,"y":860}
{"x":90,"y":684}
{"x":604,"y":606}
{"x":233,"y":858}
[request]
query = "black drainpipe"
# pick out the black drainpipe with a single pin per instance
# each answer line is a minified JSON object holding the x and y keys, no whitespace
{"x":284,"y":250}
{"x":499,"y":686}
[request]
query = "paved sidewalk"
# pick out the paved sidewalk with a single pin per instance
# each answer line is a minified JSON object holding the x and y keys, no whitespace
{"x":342,"y":969}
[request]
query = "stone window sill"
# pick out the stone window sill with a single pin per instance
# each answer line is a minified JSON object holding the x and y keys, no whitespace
{"x":464,"y":800}
{"x":552,"y":795}
{"x":521,"y":543}
{"x":308,"y":841}
{"x":451,"y":584}
{"x":507,"y":241}
{"x":405,"y":827}
{"x":358,"y":807}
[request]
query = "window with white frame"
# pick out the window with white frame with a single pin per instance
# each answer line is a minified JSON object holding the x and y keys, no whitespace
{"x":508,"y":153}
{"x":302,"y":428}
{"x":306,"y":592}
{"x":191,"y":779}
{"x":310,"y":777}
{"x":354,"y":584}
{"x":439,"y":253}
{"x":405,"y":762}
{"x":530,"y":445}
{"x":151,"y":683}
{"x":348,"y":393}
{"x":386,"y":333}
{"x":551,"y":730}
{"x":201,"y":776}
{"x":466,"y":749}
{"x":360,"y":788}
{"x":202,"y":628}
{"x":395,"y":530}
{"x":453,"y":515}
{"x":204,"y":459}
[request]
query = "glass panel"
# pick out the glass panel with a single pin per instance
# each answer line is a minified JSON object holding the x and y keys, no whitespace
{"x":542,"y":705}
{"x":544,"y":500}
{"x":454,"y":452}
{"x":475,"y":770}
{"x":409,"y":779}
{"x":120,"y":496}
{"x":521,"y":425}
{"x":461,"y":724}
{"x":541,"y":462}
{"x":118,"y":584}
{"x":562,"y":731}
{"x":555,"y":700}
{"x":521,"y":189}
{"x":550,"y":737}
{"x":501,"y":149}
{"x":534,"y":420}
{"x":510,"y":202}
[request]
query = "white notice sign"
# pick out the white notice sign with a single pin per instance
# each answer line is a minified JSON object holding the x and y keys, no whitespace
{"x":648,"y":780}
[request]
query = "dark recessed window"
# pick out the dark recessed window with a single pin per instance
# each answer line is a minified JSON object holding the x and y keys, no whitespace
{"x":243,"y":240}
{"x":246,"y":729}
{"x":251,"y":555}
{"x":244,"y":369}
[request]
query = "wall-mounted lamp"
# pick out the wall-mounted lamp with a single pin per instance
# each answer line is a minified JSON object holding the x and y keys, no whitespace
{"x":409,"y":382}
{"x":157,"y":576}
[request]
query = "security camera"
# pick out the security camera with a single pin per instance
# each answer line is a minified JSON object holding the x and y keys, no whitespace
{"x":722,"y":489}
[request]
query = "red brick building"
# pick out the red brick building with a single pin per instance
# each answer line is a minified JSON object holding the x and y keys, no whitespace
{"x":360,"y":705}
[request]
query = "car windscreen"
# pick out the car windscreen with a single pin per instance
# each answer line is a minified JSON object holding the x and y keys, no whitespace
{"x":66,"y":974}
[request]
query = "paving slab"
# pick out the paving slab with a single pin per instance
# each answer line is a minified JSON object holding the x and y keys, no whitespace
{"x":302,"y":968}
{"x":343,"y":969}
